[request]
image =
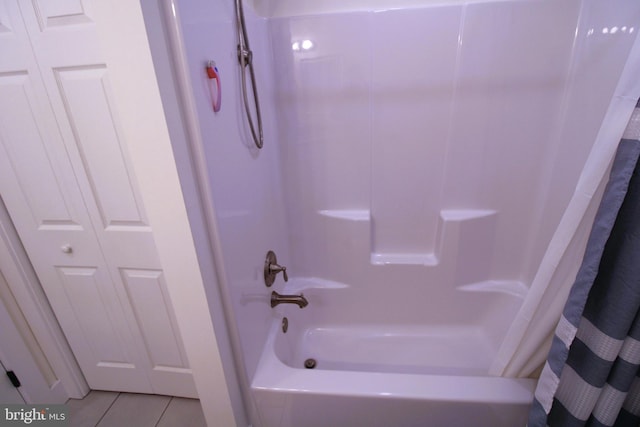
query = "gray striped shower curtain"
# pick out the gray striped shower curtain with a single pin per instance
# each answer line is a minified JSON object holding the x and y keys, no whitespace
{"x":592,"y":376}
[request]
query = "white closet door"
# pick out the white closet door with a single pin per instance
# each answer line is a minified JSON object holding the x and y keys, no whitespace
{"x":67,"y":183}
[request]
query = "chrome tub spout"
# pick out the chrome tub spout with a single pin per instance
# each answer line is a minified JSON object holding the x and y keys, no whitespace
{"x":300,"y":300}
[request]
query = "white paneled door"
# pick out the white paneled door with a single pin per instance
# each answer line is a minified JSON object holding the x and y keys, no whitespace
{"x":72,"y":195}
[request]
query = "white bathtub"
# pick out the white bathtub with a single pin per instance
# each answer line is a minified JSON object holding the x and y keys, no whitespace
{"x":390,"y":374}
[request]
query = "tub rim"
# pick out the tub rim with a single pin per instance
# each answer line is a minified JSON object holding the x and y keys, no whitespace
{"x":274,"y":375}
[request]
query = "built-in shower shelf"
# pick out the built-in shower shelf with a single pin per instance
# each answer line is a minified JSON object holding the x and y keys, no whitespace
{"x":512,"y":287}
{"x":410,"y":259}
{"x":459,"y":231}
{"x":462,"y":246}
{"x":300,"y":284}
{"x":348,"y":214}
{"x":465,"y":214}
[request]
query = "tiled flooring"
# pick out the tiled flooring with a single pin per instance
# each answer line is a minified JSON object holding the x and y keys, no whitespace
{"x":110,"y":409}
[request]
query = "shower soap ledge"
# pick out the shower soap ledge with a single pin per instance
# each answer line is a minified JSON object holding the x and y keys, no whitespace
{"x":511,"y":287}
{"x":465,"y":214}
{"x":428,"y":259}
{"x":300,"y":284}
{"x":348,"y":214}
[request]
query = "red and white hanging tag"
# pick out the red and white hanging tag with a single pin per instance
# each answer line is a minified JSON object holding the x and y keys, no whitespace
{"x":216,"y":94}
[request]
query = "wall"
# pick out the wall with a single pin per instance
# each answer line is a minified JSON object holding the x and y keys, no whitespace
{"x":394,"y":116}
{"x":600,"y":55}
{"x":240,"y":182}
{"x":245,"y":182}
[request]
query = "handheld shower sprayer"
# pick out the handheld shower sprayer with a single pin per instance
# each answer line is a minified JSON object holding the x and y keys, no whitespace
{"x":245,"y":58}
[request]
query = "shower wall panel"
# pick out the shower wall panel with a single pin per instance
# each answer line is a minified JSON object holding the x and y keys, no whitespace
{"x":393,"y":119}
{"x":244,"y":181}
{"x":413,"y":61}
{"x":603,"y":42}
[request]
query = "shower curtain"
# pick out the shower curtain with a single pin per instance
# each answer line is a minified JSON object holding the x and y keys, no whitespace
{"x":526,"y":345}
{"x":592,"y":376}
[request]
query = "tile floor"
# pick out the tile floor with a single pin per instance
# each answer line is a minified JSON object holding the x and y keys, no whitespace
{"x":111,"y":409}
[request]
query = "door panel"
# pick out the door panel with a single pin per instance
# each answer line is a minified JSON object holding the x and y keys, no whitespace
{"x":84,"y":92}
{"x":5,"y":22}
{"x":147,"y":292}
{"x":27,"y":151}
{"x":94,"y":316}
{"x":60,"y":13}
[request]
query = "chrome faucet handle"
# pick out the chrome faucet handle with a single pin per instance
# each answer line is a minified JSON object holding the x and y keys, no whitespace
{"x":272,"y":268}
{"x":275,"y":269}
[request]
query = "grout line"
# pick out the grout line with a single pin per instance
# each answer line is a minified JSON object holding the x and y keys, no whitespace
{"x":165,"y":410}
{"x":108,"y":409}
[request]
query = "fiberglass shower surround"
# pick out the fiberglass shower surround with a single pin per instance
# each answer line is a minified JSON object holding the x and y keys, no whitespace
{"x":429,"y":174}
